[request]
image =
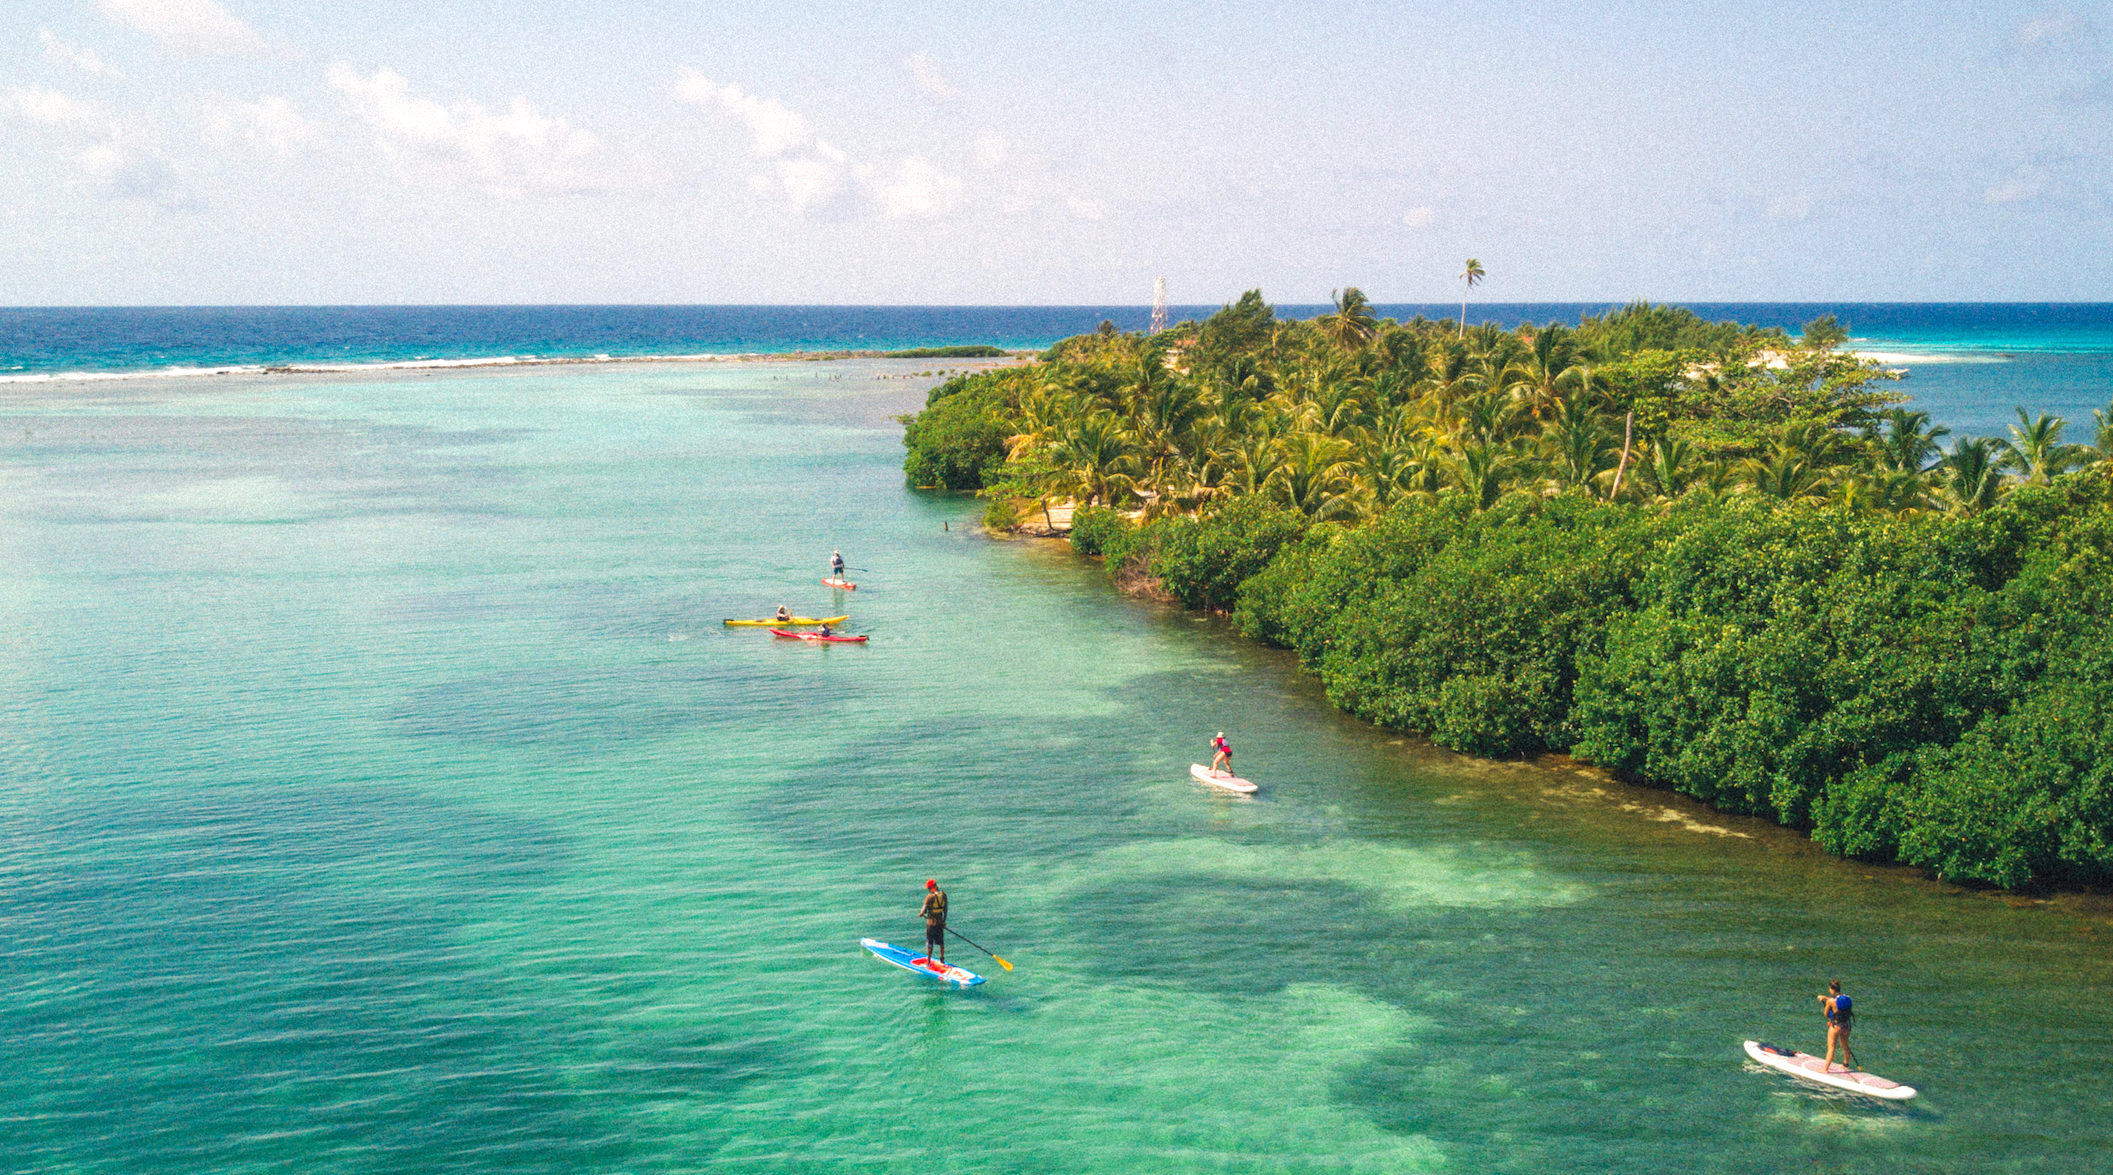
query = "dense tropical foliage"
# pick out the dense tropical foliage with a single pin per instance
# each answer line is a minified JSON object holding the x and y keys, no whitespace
{"x":1708,"y":557}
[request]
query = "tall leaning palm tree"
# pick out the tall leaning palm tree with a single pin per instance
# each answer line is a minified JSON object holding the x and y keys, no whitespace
{"x":1473,"y":276}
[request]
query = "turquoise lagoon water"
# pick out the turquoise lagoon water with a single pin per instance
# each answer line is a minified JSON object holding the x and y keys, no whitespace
{"x":379,"y":792}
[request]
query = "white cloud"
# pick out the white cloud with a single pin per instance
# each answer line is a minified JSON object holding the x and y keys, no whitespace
{"x":811,"y":184}
{"x":1086,"y":209}
{"x":813,"y":175}
{"x":104,"y":154}
{"x":2051,"y":28}
{"x":271,"y":125}
{"x":1419,"y":217}
{"x":50,"y":108}
{"x":928,"y":77}
{"x":991,"y":152}
{"x":2024,"y":186}
{"x":201,"y":26}
{"x":915,"y":189}
{"x":75,"y":57}
{"x":509,"y":152}
{"x":777,"y":130}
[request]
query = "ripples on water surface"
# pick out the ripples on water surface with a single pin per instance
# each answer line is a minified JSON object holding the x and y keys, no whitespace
{"x":382,"y":794}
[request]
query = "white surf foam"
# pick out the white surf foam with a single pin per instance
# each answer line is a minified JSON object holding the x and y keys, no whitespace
{"x":389,"y":365}
{"x":1905,"y":358}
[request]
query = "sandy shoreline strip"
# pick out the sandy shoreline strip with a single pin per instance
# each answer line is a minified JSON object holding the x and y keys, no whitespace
{"x":39,"y":377}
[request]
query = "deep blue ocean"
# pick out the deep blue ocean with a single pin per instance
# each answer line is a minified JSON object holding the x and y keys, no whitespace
{"x":1971,"y":365}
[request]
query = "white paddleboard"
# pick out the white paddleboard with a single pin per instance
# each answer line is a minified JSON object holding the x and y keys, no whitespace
{"x":1224,"y":779}
{"x":1806,"y":1067}
{"x":918,"y":964}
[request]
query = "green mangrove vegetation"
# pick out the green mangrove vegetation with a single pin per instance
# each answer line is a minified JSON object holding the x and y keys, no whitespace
{"x":1709,"y":557}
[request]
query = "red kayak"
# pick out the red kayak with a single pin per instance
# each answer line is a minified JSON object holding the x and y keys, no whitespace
{"x":815,"y":636}
{"x":842,"y":585}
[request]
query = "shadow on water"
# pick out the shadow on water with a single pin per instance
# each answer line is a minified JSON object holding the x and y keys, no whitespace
{"x":277,"y":975}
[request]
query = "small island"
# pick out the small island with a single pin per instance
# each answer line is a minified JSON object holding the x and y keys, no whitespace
{"x":1706,"y":556}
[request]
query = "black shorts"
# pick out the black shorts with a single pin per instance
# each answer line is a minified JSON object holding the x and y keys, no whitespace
{"x":934,"y":934}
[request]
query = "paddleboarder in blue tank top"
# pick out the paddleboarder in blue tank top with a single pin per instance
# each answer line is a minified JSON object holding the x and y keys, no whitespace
{"x":1840,"y":1011}
{"x":934,"y":914}
{"x":836,"y":565}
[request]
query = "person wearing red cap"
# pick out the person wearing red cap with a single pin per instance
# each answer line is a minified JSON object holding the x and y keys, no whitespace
{"x":934,"y":914}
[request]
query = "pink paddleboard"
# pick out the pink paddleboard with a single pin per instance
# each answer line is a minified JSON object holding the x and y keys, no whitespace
{"x":1806,"y":1067}
{"x":1224,"y":779}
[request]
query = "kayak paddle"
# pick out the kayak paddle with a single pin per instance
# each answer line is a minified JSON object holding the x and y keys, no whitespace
{"x":979,"y":946}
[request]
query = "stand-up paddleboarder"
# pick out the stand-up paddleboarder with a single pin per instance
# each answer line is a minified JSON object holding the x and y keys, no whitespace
{"x":1841,"y":1015}
{"x":934,"y":914}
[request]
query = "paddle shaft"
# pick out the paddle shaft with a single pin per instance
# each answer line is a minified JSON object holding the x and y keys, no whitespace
{"x":979,"y":946}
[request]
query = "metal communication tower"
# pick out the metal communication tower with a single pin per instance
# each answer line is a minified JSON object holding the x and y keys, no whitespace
{"x":1159,"y":305}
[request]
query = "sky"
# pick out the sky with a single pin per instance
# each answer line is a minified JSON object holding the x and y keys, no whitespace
{"x":676,"y":151}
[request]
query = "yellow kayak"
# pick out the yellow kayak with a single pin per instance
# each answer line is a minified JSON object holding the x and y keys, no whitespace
{"x":797,"y":620}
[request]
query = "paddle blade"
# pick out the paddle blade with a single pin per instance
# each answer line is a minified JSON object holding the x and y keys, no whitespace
{"x":1003,"y":963}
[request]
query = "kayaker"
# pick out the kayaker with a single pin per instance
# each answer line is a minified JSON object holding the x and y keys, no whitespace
{"x":1840,"y":1011}
{"x":783,"y":613}
{"x":1221,"y":754}
{"x":934,"y":914}
{"x":825,"y":630}
{"x":836,"y":565}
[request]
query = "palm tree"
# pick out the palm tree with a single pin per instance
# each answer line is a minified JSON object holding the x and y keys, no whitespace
{"x":1972,"y":481}
{"x":1391,"y":469}
{"x":1096,"y":459}
{"x":1672,"y":469}
{"x":1352,"y":324}
{"x":2035,"y":450}
{"x":1549,"y":366}
{"x":1253,"y":463}
{"x":1473,"y":276}
{"x":2103,"y":418}
{"x":1579,"y":448}
{"x":1815,"y":443}
{"x":1484,"y":419}
{"x":1903,"y":442}
{"x":1164,"y":412}
{"x":1895,"y":491}
{"x":1787,"y":476}
{"x":1315,"y":476}
{"x":1482,"y":471}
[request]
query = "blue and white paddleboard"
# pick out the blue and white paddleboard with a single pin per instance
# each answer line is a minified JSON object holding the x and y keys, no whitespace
{"x":921,"y":965}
